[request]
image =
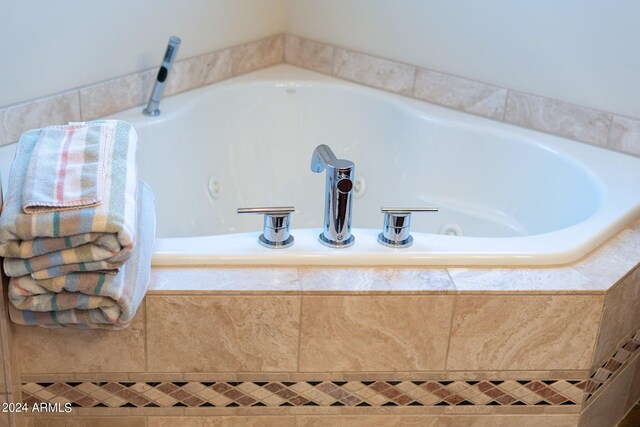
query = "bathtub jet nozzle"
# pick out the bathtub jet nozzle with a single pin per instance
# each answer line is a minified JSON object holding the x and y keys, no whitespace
{"x":158,"y":88}
{"x":338,"y":197}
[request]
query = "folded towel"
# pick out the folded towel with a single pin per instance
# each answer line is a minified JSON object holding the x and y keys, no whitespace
{"x":90,"y":300}
{"x":107,"y":229}
{"x":67,"y":168}
{"x":81,"y":258}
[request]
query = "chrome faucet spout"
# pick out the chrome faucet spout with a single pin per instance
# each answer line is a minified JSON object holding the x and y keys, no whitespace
{"x":321,"y":157}
{"x":338,"y":201}
{"x":158,"y":88}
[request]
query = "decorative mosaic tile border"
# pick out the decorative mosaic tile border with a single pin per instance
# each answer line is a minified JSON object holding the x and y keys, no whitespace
{"x":306,"y":393}
{"x":615,"y":363}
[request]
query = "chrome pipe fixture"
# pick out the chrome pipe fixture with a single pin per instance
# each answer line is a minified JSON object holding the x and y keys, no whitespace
{"x":158,"y":88}
{"x":277,"y":223}
{"x":396,"y":227}
{"x":338,"y":197}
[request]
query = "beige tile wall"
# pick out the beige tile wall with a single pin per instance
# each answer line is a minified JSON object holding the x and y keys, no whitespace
{"x":461,"y":94}
{"x":105,"y":98}
{"x":222,"y":334}
{"x":523,"y":332}
{"x":362,"y":333}
{"x":620,"y":318}
{"x":625,"y":135}
{"x":40,"y":350}
{"x":275,"y":336}
{"x":515,"y":344}
{"x":285,"y":323}
{"x":60,"y":108}
{"x":327,"y":334}
{"x":376,"y":72}
{"x":557,"y":117}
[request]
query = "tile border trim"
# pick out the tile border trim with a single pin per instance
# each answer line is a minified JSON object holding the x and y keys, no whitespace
{"x":263,"y":393}
{"x":117,"y":94}
{"x":608,"y":130}
{"x":556,"y":117}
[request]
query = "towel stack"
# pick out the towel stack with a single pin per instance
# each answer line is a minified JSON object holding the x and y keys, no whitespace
{"x":77,"y":227}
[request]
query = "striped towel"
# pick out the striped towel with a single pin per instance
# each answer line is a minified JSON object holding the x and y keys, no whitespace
{"x":48,"y":243}
{"x":67,"y":168}
{"x":90,"y":300}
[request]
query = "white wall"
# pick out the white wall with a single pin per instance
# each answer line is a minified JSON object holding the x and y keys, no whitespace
{"x":581,"y":51}
{"x":49,"y":46}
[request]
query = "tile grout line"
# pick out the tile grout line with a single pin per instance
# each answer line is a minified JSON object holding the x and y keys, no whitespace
{"x":334,"y":51}
{"x":300,"y":328}
{"x":80,"y":106}
{"x":607,"y":140}
{"x":146,"y":336}
{"x":453,"y":310}
{"x":506,"y":103}
{"x":597,"y":339}
{"x":413,"y":83}
{"x":594,"y":346}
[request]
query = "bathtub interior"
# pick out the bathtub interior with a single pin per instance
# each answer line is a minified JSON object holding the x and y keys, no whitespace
{"x":249,"y":144}
{"x":245,"y":145}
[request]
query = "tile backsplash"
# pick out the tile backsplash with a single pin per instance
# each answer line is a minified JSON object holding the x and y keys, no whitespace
{"x":548,"y":115}
{"x":461,"y":94}
{"x":121,"y":93}
{"x":557,"y":117}
{"x":552,"y":116}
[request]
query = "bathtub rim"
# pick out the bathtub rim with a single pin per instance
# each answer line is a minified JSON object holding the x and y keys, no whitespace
{"x":167,"y":248}
{"x":569,"y":243}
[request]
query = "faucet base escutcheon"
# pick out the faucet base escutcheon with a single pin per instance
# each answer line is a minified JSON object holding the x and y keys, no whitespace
{"x":336,"y":243}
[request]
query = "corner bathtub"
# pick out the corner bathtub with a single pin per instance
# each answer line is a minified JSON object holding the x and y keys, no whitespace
{"x":507,"y":195}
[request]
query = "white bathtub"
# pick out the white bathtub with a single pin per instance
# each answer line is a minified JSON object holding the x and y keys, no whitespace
{"x":519,"y":197}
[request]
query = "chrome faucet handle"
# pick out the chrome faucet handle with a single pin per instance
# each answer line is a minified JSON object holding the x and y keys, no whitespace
{"x":396,"y":227}
{"x":277,"y":220}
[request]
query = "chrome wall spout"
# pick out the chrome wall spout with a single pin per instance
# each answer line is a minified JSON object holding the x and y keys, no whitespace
{"x":156,"y":94}
{"x":338,"y":193}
